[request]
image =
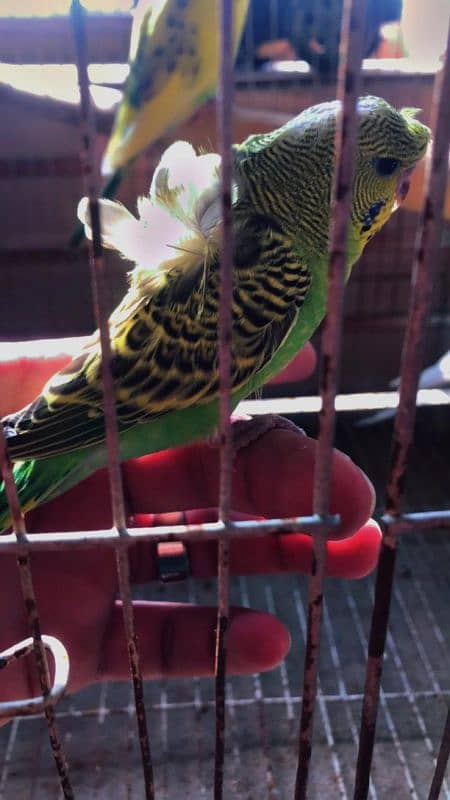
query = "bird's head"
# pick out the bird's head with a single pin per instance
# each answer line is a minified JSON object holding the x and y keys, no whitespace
{"x":390,"y":143}
{"x":293,"y":167}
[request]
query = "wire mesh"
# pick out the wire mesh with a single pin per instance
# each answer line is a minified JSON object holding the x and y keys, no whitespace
{"x":310,"y":623}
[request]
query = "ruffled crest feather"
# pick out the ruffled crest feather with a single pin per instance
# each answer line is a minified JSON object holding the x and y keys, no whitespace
{"x":179,"y":221}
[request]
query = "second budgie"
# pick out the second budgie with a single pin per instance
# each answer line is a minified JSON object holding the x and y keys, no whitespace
{"x":174,"y":66}
{"x":174,"y":69}
{"x":164,"y":332}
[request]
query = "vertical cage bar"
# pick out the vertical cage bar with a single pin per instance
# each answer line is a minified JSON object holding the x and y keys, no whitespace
{"x":442,"y":761}
{"x":31,"y":607}
{"x":352,"y":36}
{"x":389,"y":717}
{"x":224,"y":125}
{"x":97,"y":268}
{"x":425,"y":257}
{"x":97,"y":265}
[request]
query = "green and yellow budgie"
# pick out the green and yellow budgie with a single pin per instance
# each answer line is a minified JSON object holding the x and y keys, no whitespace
{"x":164,"y":332}
{"x":174,"y":69}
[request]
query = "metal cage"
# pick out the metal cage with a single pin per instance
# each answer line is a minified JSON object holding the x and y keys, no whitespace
{"x":317,"y":700}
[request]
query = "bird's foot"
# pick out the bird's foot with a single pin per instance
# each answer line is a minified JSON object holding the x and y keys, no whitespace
{"x":246,"y":429}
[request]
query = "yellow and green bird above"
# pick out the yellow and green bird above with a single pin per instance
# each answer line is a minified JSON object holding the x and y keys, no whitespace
{"x":174,"y":69}
{"x":164,"y":332}
{"x":174,"y":66}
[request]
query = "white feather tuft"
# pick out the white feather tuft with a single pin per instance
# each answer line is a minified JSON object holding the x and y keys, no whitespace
{"x":120,"y":230}
{"x":179,"y":221}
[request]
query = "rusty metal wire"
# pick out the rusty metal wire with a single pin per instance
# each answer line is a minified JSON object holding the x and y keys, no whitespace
{"x":346,"y":129}
{"x":211,"y":531}
{"x":224,"y":126}
{"x":111,"y":432}
{"x":425,"y":253}
{"x":442,"y":761}
{"x":418,"y":520}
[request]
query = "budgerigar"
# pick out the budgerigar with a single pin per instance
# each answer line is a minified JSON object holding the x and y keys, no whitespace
{"x":164,"y":332}
{"x":174,"y":68}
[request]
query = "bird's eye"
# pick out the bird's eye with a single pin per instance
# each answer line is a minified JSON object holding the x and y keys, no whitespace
{"x":385,"y":166}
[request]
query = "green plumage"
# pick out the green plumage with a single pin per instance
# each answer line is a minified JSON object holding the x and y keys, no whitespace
{"x":164,"y":333}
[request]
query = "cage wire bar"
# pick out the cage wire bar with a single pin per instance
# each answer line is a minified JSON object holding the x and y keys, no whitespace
{"x":97,"y":267}
{"x":320,"y":523}
{"x":442,"y":761}
{"x":210,"y":531}
{"x":224,"y":129}
{"x":424,"y":263}
{"x":348,"y":84}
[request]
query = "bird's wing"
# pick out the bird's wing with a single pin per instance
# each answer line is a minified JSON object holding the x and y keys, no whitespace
{"x":68,"y":414}
{"x":164,"y":353}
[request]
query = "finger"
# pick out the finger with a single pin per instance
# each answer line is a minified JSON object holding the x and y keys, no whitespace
{"x":272,"y":477}
{"x":300,"y":368}
{"x":177,"y":640}
{"x":354,"y":557}
{"x":188,"y":477}
{"x":279,"y":469}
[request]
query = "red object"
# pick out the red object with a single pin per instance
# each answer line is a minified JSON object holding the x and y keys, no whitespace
{"x":76,"y":590}
{"x":300,"y":368}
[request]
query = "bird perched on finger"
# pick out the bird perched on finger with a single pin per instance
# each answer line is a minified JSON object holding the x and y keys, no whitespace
{"x":164,"y":332}
{"x":174,"y":68}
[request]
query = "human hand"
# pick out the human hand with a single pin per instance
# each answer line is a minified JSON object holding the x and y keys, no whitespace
{"x":76,"y":590}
